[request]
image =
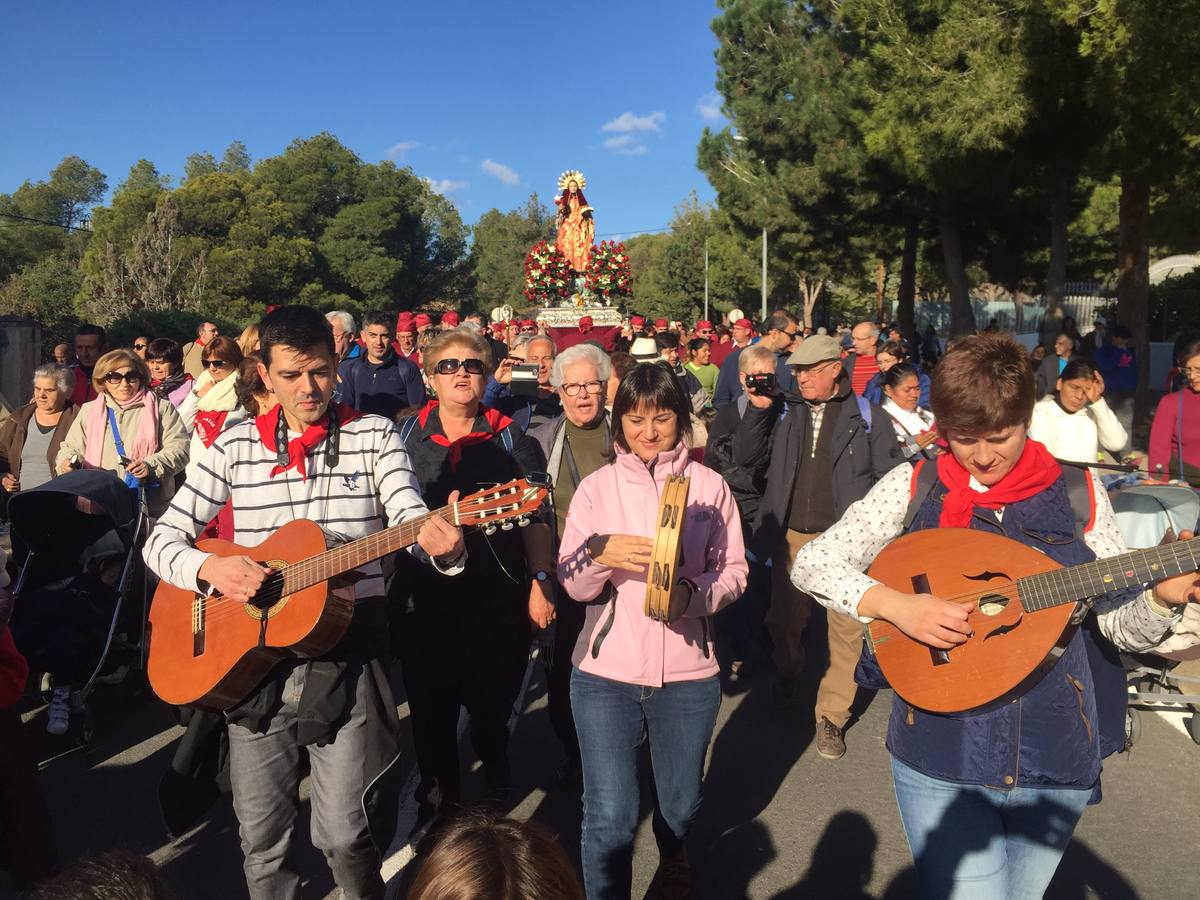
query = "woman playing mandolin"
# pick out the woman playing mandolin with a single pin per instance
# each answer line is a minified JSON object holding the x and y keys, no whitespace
{"x":989,"y":798}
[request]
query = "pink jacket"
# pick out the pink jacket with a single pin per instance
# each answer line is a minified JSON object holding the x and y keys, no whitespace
{"x":618,"y":641}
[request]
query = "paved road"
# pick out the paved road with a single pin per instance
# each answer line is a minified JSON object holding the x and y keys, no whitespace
{"x":777,"y":822}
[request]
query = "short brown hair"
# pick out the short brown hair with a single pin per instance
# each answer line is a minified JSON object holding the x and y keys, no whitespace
{"x":224,"y":349}
{"x":113,"y":360}
{"x":984,"y":384}
{"x":249,"y":383}
{"x":479,"y":856}
{"x":456,"y":337}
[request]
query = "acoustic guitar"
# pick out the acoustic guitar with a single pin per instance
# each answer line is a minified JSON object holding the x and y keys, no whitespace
{"x":1024,"y":615}
{"x":210,"y":651}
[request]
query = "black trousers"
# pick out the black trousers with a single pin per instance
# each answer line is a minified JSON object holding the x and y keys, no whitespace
{"x":568,"y":623}
{"x":476,"y":660}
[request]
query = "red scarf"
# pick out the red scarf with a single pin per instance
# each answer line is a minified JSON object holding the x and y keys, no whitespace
{"x":496,"y":420}
{"x":1035,"y":471}
{"x":209,"y":423}
{"x":297,"y":448}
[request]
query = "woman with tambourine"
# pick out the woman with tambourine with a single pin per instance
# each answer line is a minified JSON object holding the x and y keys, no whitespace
{"x":634,"y":673}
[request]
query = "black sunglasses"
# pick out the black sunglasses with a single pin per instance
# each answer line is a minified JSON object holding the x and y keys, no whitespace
{"x":139,"y":346}
{"x":130,"y":377}
{"x":450,"y":365}
{"x":214,"y":364}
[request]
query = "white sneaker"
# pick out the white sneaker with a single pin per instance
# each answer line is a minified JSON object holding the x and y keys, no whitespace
{"x":58,"y":718}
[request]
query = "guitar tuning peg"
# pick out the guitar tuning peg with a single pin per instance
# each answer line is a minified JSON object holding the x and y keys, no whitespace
{"x":506,"y":526}
{"x":522,"y":521}
{"x":489,"y":529}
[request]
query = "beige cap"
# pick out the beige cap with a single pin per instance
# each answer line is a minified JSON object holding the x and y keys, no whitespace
{"x":816,"y":348}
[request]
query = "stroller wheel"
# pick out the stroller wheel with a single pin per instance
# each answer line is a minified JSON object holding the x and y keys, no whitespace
{"x":1133,"y":727}
{"x":1193,"y":726}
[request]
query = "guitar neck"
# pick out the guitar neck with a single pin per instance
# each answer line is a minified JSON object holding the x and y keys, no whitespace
{"x":1136,"y":567}
{"x":345,"y":557}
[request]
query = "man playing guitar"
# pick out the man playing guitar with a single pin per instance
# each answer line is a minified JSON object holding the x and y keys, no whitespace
{"x":989,"y":798}
{"x":350,"y":473}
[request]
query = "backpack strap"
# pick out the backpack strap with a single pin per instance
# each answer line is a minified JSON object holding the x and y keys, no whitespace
{"x":507,"y":439}
{"x":406,"y":429}
{"x":1083,"y":501}
{"x":864,"y":410}
{"x":924,"y":477}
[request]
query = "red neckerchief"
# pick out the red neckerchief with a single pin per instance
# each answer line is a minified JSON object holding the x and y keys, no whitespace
{"x":298,"y":448}
{"x":209,"y":423}
{"x":1035,"y":471}
{"x":496,"y":420}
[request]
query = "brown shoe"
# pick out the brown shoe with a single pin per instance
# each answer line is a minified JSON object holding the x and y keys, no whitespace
{"x":673,"y":880}
{"x":830,"y":744}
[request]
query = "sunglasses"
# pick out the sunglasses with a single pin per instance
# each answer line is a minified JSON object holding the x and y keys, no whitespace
{"x":139,"y":346}
{"x":450,"y":365}
{"x":214,"y":364}
{"x":130,"y":377}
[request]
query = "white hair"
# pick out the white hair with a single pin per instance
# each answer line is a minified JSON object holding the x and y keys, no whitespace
{"x":342,"y":318}
{"x":580,"y":353}
{"x":63,"y":377}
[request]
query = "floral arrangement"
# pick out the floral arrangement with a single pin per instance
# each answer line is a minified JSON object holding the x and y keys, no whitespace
{"x":548,"y":275}
{"x":608,"y":274}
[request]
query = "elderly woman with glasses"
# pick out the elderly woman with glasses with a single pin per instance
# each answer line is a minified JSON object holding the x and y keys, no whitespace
{"x":31,"y":436}
{"x":164,"y":359}
{"x":464,"y":642}
{"x":128,"y":430}
{"x":212,"y":406}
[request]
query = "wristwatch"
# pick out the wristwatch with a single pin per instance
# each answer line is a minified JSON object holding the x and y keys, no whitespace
{"x":541,"y":575}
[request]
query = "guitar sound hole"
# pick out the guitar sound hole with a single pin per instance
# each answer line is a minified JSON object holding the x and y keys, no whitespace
{"x":993,"y":604}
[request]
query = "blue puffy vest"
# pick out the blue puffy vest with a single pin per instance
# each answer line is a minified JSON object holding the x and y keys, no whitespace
{"x":1057,"y":733}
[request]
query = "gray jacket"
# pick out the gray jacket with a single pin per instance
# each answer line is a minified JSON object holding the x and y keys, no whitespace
{"x":861,"y":456}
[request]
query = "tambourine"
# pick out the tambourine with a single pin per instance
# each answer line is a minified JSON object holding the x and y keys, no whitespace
{"x":661,"y":576}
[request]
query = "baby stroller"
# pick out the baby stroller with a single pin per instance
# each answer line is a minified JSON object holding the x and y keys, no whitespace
{"x":81,"y":595}
{"x":1146,"y":514}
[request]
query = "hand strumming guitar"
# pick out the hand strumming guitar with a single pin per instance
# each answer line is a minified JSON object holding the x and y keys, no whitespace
{"x":923,"y":617}
{"x":235,"y":577}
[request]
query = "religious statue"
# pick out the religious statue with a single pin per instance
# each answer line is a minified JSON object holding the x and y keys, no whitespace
{"x":576,"y":229}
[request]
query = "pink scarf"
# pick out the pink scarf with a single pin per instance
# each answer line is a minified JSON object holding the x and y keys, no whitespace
{"x":138,"y":446}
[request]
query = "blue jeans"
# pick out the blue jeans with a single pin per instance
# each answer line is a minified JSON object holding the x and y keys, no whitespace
{"x":975,"y":842}
{"x":611,"y":718}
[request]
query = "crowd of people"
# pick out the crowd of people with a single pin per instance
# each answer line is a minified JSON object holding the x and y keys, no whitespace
{"x":807,"y":451}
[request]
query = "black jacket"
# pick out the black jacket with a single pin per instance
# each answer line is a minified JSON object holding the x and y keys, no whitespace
{"x":861,"y":456}
{"x":747,"y":480}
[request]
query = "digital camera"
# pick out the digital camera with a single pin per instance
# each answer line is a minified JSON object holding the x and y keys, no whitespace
{"x":761,"y":383}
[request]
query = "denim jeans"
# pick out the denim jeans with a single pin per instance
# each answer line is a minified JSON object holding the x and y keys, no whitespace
{"x":611,"y":718}
{"x":969,"y":841}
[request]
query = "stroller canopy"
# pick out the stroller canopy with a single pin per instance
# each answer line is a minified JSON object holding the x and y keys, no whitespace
{"x":71,"y":512}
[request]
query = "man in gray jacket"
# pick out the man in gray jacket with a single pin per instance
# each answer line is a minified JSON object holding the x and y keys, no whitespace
{"x":823,"y":455}
{"x":574,"y":444}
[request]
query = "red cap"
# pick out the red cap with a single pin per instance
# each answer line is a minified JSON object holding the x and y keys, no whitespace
{"x":637,"y":321}
{"x":404,"y":323}
{"x":528,"y":323}
{"x":585,"y":321}
{"x":743,"y":323}
{"x":704,"y":323}
{"x":498,"y":327}
{"x":271,"y":307}
{"x":450,"y":319}
{"x":660,"y":323}
{"x":422,"y":319}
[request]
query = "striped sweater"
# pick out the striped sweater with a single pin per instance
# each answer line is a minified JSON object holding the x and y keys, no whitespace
{"x":371,"y":487}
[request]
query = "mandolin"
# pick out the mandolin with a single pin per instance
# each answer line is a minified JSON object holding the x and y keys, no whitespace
{"x":211,"y":652}
{"x":1024,"y":615}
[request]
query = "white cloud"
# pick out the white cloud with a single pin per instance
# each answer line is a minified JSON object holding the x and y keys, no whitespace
{"x":626,"y":145}
{"x":445,"y":185}
{"x":500,"y":171}
{"x":399,"y":151}
{"x":709,"y":107}
{"x":628,"y":122}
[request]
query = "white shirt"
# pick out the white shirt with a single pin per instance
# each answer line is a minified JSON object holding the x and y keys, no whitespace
{"x":1076,"y":436}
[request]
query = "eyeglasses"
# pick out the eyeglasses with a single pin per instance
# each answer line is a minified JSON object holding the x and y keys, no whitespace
{"x":214,"y":363}
{"x":449,"y":366}
{"x":572,"y":390}
{"x":704,"y":333}
{"x":1188,"y":371}
{"x":130,"y":377}
{"x":139,"y":346}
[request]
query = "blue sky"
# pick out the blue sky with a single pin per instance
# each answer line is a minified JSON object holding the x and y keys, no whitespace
{"x":489,"y":101}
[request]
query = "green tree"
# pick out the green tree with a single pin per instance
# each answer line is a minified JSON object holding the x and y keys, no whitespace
{"x":500,"y":243}
{"x":235,"y":160}
{"x":198,"y":165}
